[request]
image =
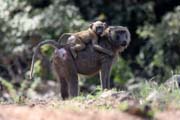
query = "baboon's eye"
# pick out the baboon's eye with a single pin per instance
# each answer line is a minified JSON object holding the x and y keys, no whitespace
{"x":122,"y":32}
{"x":126,"y":35}
{"x":100,"y":27}
{"x":117,"y":36}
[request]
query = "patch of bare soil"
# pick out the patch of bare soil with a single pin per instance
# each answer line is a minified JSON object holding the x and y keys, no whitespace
{"x":108,"y":106}
{"x":169,"y":115}
{"x":13,"y":112}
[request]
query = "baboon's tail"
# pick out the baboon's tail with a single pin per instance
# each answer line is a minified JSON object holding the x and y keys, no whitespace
{"x":53,"y":43}
{"x":63,"y":38}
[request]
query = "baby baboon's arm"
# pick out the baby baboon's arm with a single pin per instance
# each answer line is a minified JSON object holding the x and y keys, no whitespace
{"x":101,"y":49}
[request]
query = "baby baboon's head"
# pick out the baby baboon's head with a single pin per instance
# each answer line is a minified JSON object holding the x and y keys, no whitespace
{"x":98,"y":27}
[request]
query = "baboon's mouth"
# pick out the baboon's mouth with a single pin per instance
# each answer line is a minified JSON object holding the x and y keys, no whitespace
{"x":123,"y":43}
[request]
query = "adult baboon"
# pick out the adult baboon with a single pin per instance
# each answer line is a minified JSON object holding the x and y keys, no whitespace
{"x":89,"y":61}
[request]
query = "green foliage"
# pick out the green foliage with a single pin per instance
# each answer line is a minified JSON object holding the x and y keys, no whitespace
{"x":19,"y":20}
{"x":10,"y":88}
{"x":23,"y":24}
{"x":18,"y":95}
{"x":15,"y":95}
{"x":158,"y":95}
{"x":121,"y":71}
{"x":161,"y":54}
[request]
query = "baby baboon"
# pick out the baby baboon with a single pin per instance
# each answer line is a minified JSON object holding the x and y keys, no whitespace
{"x":80,"y":39}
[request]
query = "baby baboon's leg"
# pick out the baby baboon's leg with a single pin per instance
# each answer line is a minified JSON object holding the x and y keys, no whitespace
{"x":77,"y":47}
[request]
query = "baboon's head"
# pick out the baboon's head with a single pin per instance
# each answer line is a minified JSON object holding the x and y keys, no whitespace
{"x":98,"y":27}
{"x":119,"y":36}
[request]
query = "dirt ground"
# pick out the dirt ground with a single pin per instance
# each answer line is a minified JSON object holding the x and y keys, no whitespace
{"x":15,"y":112}
{"x":109,"y":105}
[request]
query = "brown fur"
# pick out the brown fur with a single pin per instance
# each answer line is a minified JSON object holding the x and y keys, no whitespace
{"x":80,"y":39}
{"x":88,"y":62}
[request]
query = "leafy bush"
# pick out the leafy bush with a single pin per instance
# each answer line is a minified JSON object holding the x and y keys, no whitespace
{"x":160,"y":56}
{"x":19,"y":21}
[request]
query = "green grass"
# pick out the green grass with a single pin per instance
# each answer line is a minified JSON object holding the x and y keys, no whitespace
{"x":159,"y":95}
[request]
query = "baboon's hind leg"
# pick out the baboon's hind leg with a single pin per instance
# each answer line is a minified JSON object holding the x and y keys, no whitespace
{"x":66,"y":72}
{"x":64,"y":88}
{"x":73,"y":85}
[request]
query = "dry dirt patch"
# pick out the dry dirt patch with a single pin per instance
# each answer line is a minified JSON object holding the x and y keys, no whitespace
{"x":169,"y":115}
{"x":13,"y":112}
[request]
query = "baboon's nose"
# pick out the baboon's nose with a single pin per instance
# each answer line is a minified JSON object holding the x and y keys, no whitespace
{"x":123,"y":43}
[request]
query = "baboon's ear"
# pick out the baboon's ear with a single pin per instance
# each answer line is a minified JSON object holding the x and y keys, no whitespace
{"x":91,"y":25}
{"x":105,"y":25}
{"x":109,"y":30}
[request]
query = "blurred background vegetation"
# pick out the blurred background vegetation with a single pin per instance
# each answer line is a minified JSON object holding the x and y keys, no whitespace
{"x":154,"y":52}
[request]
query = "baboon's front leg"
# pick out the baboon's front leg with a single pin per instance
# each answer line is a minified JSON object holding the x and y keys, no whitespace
{"x":105,"y":74}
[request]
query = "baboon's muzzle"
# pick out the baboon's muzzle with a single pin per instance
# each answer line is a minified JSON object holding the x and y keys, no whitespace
{"x":123,"y":43}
